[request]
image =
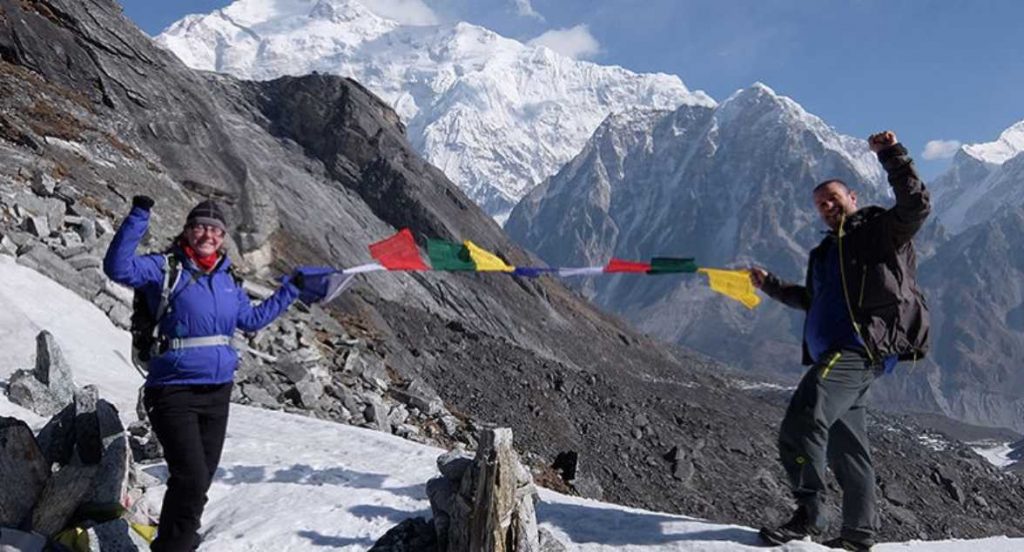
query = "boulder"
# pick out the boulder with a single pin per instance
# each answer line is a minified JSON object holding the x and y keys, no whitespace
{"x":375,"y":413}
{"x":8,"y":247}
{"x":23,"y":471}
{"x":111,"y":482}
{"x":36,"y":225}
{"x":420,"y":395}
{"x":28,"y":392}
{"x":52,"y":369}
{"x":61,"y":496}
{"x":494,"y":507}
{"x":368,"y":368}
{"x":51,"y":209}
{"x":67,"y":193}
{"x":84,"y":261}
{"x":115,"y":536}
{"x":259,"y":396}
{"x":43,"y":184}
{"x":310,"y":392}
{"x":57,"y":438}
{"x":453,"y":464}
{"x":20,"y":541}
{"x":87,"y":428}
{"x":411,"y":535}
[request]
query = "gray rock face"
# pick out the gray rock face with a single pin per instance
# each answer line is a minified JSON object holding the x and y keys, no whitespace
{"x":494,"y":506}
{"x":49,"y":387}
{"x":86,"y":448}
{"x":26,"y":391}
{"x":453,"y":464}
{"x":367,"y":368}
{"x":88,"y":440}
{"x":420,"y":395}
{"x":115,"y":536}
{"x":23,"y":471}
{"x":485,"y":502}
{"x":20,"y":541}
{"x":48,"y":263}
{"x":52,"y":369}
{"x":115,"y":461}
{"x":64,"y":491}
{"x":411,"y":535}
{"x":57,"y":438}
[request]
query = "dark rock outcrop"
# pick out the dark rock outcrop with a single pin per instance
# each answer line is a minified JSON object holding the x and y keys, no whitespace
{"x":23,"y":471}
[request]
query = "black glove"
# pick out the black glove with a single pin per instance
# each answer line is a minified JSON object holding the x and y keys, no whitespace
{"x":143,"y":202}
{"x":297,"y":279}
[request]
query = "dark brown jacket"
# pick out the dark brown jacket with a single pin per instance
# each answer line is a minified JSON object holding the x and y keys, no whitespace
{"x":879,"y":268}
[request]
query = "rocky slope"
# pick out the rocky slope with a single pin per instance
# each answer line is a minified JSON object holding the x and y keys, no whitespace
{"x":313,"y":169}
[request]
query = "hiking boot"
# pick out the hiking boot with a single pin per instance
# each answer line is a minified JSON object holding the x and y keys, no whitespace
{"x":847,"y":544}
{"x":797,"y":528}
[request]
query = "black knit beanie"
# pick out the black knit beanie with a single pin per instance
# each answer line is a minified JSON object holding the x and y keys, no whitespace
{"x":208,"y":213}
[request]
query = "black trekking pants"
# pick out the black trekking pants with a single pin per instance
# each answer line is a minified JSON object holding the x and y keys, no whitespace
{"x":827,"y":421}
{"x":190,"y":421}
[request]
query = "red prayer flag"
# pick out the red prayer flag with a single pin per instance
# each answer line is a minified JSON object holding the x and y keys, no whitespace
{"x":619,"y":265}
{"x":398,"y":252}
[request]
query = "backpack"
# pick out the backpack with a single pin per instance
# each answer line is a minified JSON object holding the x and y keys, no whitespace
{"x":145,"y":324}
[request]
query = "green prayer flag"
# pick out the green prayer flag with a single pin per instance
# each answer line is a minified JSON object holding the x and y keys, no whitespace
{"x":449,"y":256}
{"x":668,"y":265}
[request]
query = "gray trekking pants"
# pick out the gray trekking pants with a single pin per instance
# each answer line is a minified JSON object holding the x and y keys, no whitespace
{"x":828,"y":413}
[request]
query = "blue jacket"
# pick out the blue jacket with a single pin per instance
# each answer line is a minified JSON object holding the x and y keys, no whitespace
{"x":828,"y":327}
{"x":202,"y":304}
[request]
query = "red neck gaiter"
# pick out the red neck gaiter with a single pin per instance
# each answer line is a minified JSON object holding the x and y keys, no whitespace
{"x":206,"y":263}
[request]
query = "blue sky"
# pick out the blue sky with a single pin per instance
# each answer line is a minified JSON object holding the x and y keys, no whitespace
{"x":928,"y":69}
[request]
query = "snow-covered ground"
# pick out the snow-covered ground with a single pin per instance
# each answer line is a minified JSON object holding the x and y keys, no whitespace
{"x":290,"y":483}
{"x":996,"y":454}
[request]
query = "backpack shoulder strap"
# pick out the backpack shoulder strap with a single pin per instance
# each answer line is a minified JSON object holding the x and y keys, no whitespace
{"x":172,"y":275}
{"x":236,"y":276}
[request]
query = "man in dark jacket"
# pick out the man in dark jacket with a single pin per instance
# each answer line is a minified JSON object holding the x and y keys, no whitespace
{"x":864,"y":313}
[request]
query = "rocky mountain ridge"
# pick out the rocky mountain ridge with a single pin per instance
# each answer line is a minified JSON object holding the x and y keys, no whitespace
{"x":497,"y":116}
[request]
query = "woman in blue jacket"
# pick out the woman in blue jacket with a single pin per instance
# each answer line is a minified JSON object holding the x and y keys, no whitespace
{"x":188,"y":386}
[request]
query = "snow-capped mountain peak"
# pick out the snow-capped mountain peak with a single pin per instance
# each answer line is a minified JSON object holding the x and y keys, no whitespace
{"x":496,"y":115}
{"x":782,"y":110}
{"x":984,"y":178}
{"x":1008,"y":145}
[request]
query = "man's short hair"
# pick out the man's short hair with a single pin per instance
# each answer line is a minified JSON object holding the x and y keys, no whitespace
{"x":830,"y":181}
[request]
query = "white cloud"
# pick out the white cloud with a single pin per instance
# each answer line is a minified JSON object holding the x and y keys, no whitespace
{"x":406,"y":12}
{"x":575,"y":42}
{"x":940,"y":149}
{"x":525,"y":9}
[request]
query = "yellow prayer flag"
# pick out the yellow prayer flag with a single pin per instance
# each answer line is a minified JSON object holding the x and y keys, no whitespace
{"x":147,"y":532}
{"x":734,"y":284}
{"x":486,"y":261}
